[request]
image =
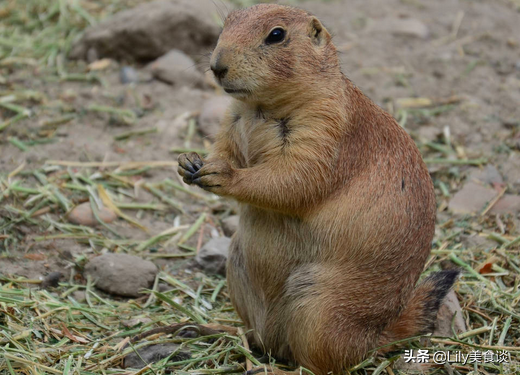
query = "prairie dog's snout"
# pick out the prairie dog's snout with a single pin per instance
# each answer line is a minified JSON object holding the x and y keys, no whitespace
{"x":218,"y":65}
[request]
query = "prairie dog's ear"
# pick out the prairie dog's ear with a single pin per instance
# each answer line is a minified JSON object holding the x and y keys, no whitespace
{"x":318,"y":33}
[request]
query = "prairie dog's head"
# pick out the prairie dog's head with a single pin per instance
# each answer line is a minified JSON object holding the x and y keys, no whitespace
{"x":266,"y":50}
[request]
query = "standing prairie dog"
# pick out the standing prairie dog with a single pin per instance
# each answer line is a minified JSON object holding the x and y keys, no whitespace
{"x":337,"y":209}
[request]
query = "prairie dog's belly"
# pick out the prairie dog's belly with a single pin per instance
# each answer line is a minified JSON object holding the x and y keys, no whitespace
{"x":267,"y":248}
{"x":274,"y":244}
{"x":271,"y":232}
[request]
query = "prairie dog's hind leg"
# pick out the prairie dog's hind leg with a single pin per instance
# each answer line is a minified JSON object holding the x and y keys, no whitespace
{"x":337,"y":315}
{"x":333,"y":323}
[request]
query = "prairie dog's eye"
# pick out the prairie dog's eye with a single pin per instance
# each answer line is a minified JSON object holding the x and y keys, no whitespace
{"x":275,"y":36}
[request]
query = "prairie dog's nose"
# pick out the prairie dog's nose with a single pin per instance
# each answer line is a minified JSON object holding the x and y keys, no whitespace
{"x":218,"y":67}
{"x":220,"y":70}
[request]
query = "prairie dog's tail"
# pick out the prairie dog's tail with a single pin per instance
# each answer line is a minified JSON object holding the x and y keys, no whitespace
{"x":419,"y":316}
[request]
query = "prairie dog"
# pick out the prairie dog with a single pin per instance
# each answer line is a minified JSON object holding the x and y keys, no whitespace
{"x":337,"y":208}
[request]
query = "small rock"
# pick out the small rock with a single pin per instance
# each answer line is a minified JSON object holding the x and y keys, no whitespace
{"x":474,"y":241}
{"x":153,"y":353}
{"x":82,"y":215}
{"x":511,"y":169}
{"x":508,"y":204}
{"x":410,"y":27}
{"x":133,"y":322}
{"x":489,"y":175}
{"x":178,"y":69}
{"x":92,"y":55}
{"x":510,"y":122}
{"x":450,"y":307}
{"x":80,"y":296}
{"x":65,"y":254}
{"x":430,"y":133}
{"x":150,"y":30}
{"x":162,"y":288}
{"x":127,"y":75}
{"x":212,"y":114}
{"x":471,"y":198}
{"x":503,"y":67}
{"x":51,"y":280}
{"x":121,"y":274}
{"x":213,"y":255}
{"x":99,"y":64}
{"x":230,"y":225}
{"x":411,"y":367}
{"x":173,"y":128}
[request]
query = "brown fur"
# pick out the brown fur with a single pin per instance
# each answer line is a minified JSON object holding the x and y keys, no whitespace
{"x":337,"y":206}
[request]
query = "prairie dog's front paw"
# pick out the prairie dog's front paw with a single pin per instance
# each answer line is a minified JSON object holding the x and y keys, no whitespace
{"x":214,"y":176}
{"x":189,"y":164}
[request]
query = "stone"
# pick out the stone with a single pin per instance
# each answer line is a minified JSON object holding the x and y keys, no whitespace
{"x":80,"y":296}
{"x":511,"y":170}
{"x":450,"y":307}
{"x":136,"y":321}
{"x":213,"y":255}
{"x":472,"y":198}
{"x":127,"y":75}
{"x":508,"y":204}
{"x":410,"y":367}
{"x":173,"y":128}
{"x":230,"y":225}
{"x":178,"y":69}
{"x":82,"y":215}
{"x":474,"y":241}
{"x":409,"y":27}
{"x":99,"y":65}
{"x":488,"y":175}
{"x":92,"y":55}
{"x":51,"y":280}
{"x":430,"y":133}
{"x":212,"y":114}
{"x":154,"y":353}
{"x":151,"y":29}
{"x":121,"y":274}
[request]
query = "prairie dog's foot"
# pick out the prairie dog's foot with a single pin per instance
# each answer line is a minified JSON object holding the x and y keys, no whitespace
{"x":214,"y":176}
{"x":189,"y":164}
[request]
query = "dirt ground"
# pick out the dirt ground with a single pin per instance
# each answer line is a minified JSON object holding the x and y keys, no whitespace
{"x":448,"y":70}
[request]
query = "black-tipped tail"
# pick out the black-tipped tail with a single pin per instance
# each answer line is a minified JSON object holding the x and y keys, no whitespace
{"x":438,"y":286}
{"x":420,"y":315}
